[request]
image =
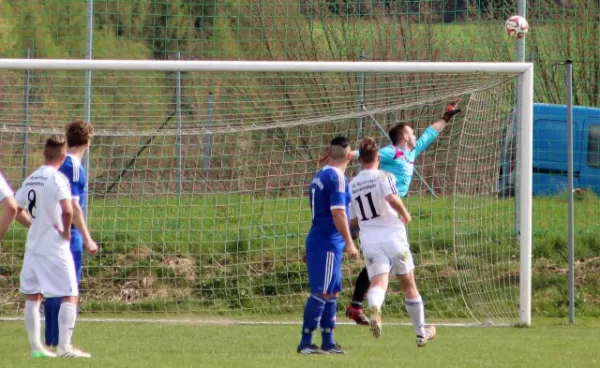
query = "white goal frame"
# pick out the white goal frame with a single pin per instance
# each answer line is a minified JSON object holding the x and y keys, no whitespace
{"x":525,"y":113}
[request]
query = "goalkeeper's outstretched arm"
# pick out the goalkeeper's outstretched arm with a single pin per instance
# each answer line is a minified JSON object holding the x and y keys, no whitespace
{"x":451,"y":110}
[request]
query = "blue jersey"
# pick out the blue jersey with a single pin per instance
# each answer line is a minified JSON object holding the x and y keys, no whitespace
{"x":401,"y":163}
{"x":75,"y":172}
{"x":328,"y":190}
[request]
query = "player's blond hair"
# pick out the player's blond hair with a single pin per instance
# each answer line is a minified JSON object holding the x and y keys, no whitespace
{"x":55,"y":148}
{"x":368,"y":151}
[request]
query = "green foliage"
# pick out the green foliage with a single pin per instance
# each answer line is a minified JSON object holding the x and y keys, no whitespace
{"x":8,"y":27}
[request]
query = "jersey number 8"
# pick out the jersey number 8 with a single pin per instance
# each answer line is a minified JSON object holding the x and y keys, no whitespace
{"x":31,"y":196}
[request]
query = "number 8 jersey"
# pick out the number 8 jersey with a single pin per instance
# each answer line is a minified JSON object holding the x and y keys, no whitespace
{"x":377,"y":220}
{"x":40,"y":195}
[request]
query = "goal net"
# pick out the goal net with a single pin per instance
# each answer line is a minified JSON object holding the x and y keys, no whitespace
{"x":198,"y":175}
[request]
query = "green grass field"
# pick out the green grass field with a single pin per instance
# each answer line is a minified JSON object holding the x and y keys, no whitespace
{"x":547,"y":343}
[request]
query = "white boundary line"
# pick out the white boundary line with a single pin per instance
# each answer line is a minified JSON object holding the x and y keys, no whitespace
{"x":244,"y":322}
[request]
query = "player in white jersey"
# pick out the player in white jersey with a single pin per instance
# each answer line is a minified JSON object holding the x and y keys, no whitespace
{"x":381,"y":217}
{"x":8,"y":206}
{"x":48,"y":267}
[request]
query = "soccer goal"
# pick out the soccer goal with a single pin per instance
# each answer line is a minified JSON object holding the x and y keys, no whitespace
{"x":198,"y":173}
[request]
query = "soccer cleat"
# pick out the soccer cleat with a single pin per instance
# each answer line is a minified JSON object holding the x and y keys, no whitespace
{"x":375,"y":323}
{"x":429,"y":335}
{"x":71,"y":352}
{"x":42,"y":354}
{"x":310,"y":349}
{"x":335,"y":349}
{"x":357,"y":315}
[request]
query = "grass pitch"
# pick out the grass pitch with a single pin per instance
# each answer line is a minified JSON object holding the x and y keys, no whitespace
{"x":547,"y":343}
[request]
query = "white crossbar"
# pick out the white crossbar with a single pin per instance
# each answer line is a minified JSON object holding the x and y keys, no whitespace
{"x":264,"y":66}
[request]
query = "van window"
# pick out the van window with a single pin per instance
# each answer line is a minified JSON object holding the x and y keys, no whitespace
{"x":593,"y":151}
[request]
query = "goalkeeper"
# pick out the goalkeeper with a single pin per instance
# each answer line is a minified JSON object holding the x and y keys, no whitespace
{"x":397,"y":158}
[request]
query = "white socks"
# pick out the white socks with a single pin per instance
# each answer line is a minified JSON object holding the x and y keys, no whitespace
{"x":415,"y":310}
{"x":66,"y":323}
{"x":376,"y":296}
{"x":33,"y":324}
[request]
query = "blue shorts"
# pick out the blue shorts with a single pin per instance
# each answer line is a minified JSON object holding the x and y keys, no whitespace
{"x":324,"y":271}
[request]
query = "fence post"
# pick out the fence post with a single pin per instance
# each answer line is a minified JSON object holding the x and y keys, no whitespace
{"x":26,"y":120}
{"x":87,"y":109}
{"x":361,"y":95}
{"x":178,"y":137}
{"x":570,"y":189}
{"x":208,"y":138}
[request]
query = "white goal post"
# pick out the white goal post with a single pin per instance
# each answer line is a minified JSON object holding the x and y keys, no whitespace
{"x":248,"y":69}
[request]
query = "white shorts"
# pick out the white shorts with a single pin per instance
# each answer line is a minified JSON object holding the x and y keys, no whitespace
{"x":51,"y":275}
{"x":392,"y":257}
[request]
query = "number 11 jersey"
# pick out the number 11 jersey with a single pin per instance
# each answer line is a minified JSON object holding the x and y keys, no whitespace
{"x":40,"y":195}
{"x":377,"y":220}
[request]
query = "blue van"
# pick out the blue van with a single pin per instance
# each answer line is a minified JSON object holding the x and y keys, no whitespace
{"x":550,"y":151}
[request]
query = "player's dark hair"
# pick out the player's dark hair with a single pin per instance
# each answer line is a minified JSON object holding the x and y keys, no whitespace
{"x":55,"y":148}
{"x":337,"y":148}
{"x":396,"y":132}
{"x":368,"y":151}
{"x":79,"y":133}
{"x":340,"y":141}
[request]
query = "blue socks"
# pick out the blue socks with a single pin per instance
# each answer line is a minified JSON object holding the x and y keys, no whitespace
{"x":313,"y":311}
{"x":318,"y":310}
{"x":51,"y":309}
{"x":328,"y":323}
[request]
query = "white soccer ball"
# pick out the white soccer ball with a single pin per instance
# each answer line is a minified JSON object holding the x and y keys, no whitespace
{"x":516,"y":27}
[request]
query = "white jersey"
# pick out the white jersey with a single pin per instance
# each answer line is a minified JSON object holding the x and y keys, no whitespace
{"x":377,"y":220}
{"x":5,"y":190}
{"x":40,"y":195}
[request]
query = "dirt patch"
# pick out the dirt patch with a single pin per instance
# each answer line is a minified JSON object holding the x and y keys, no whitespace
{"x":183,"y":267}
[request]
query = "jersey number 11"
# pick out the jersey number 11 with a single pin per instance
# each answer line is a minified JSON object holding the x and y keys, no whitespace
{"x":362,"y":207}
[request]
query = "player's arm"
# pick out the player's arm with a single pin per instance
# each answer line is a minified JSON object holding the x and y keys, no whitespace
{"x":432,"y":132}
{"x":80,"y":224}
{"x":22,"y":202}
{"x":23,"y":218}
{"x":451,"y":110}
{"x":337,"y":205}
{"x":340,"y":219}
{"x":387,"y":185}
{"x":8,"y":206}
{"x":396,"y":203}
{"x":77,"y":190}
{"x":66,"y":206}
{"x":354,"y":228}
